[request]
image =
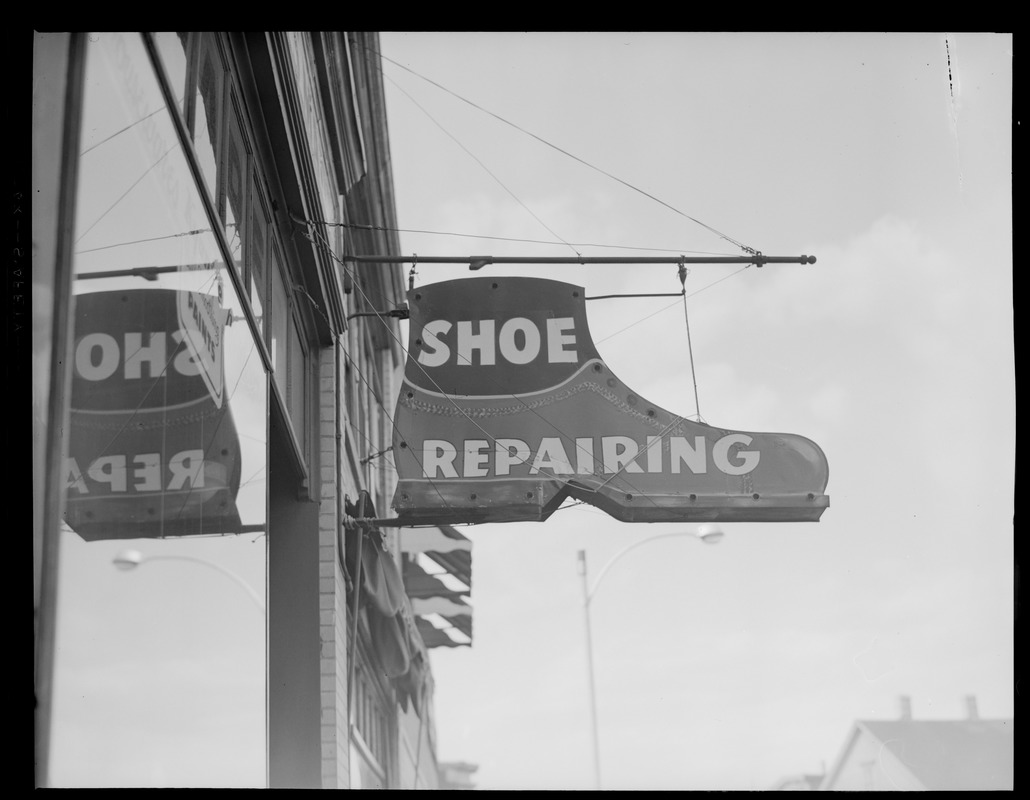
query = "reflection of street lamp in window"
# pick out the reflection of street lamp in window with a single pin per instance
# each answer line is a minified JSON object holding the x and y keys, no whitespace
{"x":130,"y":559}
{"x":709,"y":534}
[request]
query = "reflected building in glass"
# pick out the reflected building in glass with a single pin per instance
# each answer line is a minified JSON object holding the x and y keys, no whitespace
{"x":212,"y":385}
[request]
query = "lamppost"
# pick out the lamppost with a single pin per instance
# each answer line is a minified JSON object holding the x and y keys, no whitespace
{"x":709,"y":534}
{"x":130,"y":559}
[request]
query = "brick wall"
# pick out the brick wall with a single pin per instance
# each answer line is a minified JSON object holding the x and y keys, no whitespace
{"x":331,"y":584}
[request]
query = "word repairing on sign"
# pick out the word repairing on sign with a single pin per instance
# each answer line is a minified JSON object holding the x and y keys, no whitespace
{"x":112,"y":473}
{"x":482,"y":458}
{"x":507,"y":409}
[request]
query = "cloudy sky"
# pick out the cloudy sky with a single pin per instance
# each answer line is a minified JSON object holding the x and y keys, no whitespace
{"x":888,"y":157}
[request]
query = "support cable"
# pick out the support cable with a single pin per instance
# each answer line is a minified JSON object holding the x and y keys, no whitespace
{"x":621,"y":296}
{"x":683,"y":280}
{"x":123,"y":195}
{"x":478,"y":161}
{"x":543,"y":141}
{"x":126,"y":128}
{"x":387,"y":229}
{"x":196,"y":232}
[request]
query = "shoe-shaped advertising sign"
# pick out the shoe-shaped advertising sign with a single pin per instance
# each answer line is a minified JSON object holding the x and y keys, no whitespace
{"x":152,"y":452}
{"x":507,"y":409}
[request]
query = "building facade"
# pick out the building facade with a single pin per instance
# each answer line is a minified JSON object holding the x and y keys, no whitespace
{"x":208,"y":368}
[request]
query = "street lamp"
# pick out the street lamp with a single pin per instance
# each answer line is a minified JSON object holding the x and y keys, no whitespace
{"x":130,"y":559}
{"x":709,"y":534}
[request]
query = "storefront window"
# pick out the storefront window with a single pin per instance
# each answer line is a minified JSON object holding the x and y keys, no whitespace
{"x":369,"y":747}
{"x":160,"y":665}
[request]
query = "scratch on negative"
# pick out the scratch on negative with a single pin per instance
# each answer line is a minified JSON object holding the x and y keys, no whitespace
{"x":953,"y":106}
{"x":951,"y":83}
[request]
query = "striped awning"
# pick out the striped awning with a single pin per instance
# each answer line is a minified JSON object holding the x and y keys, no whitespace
{"x":437,"y":573}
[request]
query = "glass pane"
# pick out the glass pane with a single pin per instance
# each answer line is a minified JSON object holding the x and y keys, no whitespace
{"x":160,"y":651}
{"x":208,"y":109}
{"x":279,"y":312}
{"x":236,"y":171}
{"x":257,"y":254}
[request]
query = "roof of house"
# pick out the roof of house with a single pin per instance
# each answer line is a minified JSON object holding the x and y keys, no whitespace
{"x":951,"y":754}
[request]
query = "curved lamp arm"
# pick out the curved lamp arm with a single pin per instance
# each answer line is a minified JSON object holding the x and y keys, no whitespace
{"x":709,"y":534}
{"x":130,"y":559}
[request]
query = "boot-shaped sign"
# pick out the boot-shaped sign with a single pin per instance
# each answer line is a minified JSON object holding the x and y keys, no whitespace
{"x":507,"y":409}
{"x":153,"y":449}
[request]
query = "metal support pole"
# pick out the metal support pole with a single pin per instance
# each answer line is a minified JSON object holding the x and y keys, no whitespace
{"x":590,"y":669}
{"x":352,"y":663}
{"x":709,"y":534}
{"x":478,"y":262}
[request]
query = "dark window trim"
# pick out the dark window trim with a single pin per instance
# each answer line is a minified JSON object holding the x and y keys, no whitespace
{"x":218,"y":230}
{"x":46,"y":549}
{"x":343,"y":118}
{"x":193,"y":163}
